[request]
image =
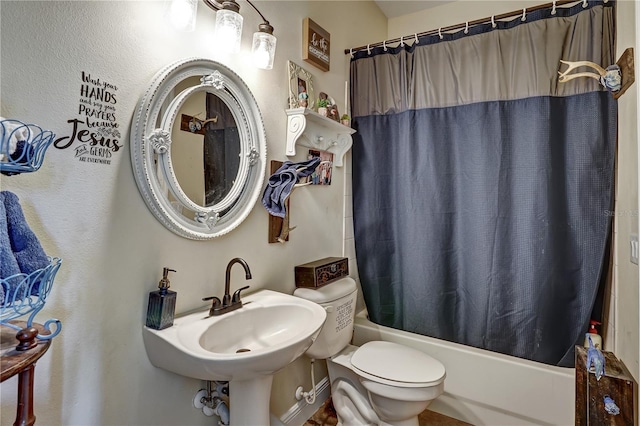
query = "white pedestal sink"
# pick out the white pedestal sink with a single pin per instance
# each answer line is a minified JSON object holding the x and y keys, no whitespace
{"x":244,"y":347}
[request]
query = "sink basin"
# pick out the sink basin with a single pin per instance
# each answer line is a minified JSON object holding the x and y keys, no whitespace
{"x":269,"y":332}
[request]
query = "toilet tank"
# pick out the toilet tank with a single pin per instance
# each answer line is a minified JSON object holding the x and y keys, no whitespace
{"x":339,"y":300}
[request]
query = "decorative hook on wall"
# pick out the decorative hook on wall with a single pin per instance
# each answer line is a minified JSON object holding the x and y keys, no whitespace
{"x":616,"y":78}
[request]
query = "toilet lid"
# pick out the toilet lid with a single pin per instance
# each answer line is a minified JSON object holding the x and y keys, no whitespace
{"x":398,"y":363}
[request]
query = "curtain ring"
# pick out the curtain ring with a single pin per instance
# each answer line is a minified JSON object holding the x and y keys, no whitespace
{"x":493,"y":22}
{"x":584,"y":4}
{"x":384,"y":45}
{"x":524,"y":15}
{"x":416,"y":36}
{"x":553,"y":9}
{"x":369,"y":49}
{"x":351,"y":52}
{"x":401,"y":41}
{"x":440,"y":33}
{"x":466,"y":27}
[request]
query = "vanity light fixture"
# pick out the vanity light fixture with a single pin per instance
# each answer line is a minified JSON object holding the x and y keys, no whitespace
{"x":228,"y":32}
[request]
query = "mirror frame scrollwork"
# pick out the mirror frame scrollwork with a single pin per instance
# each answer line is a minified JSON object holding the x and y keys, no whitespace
{"x":150,"y":144}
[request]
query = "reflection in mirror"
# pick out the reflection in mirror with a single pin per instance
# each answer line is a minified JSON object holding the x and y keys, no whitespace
{"x":205,"y":150}
{"x":198,"y":148}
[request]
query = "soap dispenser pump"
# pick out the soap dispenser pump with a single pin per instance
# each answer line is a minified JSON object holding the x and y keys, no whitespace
{"x":162,"y":304}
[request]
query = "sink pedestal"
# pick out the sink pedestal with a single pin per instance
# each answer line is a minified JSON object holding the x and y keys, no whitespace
{"x":249,"y":401}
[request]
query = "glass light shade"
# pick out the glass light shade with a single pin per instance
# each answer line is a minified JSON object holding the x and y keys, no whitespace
{"x":263,"y":50}
{"x":228,"y":31}
{"x":181,"y":14}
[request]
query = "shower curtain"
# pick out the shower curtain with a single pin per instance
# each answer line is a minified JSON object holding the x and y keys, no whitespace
{"x":481,"y":183}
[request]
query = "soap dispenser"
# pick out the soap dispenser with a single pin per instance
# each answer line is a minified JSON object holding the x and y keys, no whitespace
{"x":162,"y":304}
{"x":596,"y":339}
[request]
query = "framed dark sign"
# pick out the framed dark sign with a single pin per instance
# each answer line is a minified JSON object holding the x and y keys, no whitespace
{"x":315,"y":44}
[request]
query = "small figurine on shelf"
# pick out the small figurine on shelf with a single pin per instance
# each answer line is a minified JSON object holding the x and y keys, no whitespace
{"x":346,"y":120}
{"x":323,"y":103}
{"x":333,"y":112}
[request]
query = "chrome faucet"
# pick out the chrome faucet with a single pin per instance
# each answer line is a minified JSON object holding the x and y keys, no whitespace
{"x":229,"y":303}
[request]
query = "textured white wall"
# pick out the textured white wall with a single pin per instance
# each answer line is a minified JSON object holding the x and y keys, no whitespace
{"x":92,"y":215}
{"x":626,"y":317}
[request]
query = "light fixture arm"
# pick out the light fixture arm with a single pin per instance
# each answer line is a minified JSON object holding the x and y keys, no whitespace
{"x":219,"y":4}
{"x":261,"y":15}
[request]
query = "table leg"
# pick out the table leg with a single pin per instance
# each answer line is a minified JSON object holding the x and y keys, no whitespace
{"x":24,"y":412}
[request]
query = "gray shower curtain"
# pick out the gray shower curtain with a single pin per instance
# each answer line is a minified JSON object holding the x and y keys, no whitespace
{"x":481,"y":183}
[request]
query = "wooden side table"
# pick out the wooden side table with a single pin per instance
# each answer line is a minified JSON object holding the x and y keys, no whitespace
{"x":616,"y":383}
{"x":22,"y":363}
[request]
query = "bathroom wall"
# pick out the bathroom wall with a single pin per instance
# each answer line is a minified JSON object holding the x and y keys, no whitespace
{"x":622,"y":328}
{"x":93,"y":217}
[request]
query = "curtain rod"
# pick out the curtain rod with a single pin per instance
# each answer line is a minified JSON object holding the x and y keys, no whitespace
{"x":468,"y":24}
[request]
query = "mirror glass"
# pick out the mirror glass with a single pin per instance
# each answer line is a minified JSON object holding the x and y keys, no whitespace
{"x":198,"y":148}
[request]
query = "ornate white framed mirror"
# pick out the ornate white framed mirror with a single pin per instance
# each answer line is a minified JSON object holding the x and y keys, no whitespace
{"x":198,"y":148}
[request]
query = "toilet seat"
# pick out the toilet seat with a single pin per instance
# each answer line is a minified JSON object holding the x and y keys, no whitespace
{"x":397,"y":365}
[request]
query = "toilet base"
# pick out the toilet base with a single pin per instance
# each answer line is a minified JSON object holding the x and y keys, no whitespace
{"x":351,"y":400}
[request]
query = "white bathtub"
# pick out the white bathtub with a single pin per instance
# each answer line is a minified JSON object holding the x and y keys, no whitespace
{"x":488,"y":388}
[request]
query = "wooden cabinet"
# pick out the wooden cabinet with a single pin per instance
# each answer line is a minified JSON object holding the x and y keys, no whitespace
{"x":616,"y":383}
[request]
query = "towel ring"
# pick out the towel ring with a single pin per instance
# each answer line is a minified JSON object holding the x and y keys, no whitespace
{"x":524,"y":15}
{"x":440,"y":33}
{"x":416,"y":36}
{"x":553,"y":9}
{"x":369,"y":49}
{"x":466,"y":27}
{"x":384,"y":45}
{"x":493,"y":22}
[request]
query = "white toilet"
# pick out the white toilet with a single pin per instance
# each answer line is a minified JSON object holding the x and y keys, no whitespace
{"x":379,"y":383}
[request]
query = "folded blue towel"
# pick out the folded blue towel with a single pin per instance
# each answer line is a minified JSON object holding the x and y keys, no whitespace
{"x":8,"y":263}
{"x":281,"y":184}
{"x":25,"y":245}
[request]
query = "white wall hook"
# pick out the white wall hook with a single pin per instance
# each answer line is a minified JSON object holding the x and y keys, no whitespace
{"x":466,"y":27}
{"x":369,"y":49}
{"x":524,"y":15}
{"x":351,"y":52}
{"x":401,"y":41}
{"x":416,"y":36}
{"x":384,"y":45}
{"x":585,"y":4}
{"x":553,"y":9}
{"x":493,"y":21}
{"x":440,"y":33}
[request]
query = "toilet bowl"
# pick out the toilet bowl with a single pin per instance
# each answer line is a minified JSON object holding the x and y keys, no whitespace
{"x":379,"y":383}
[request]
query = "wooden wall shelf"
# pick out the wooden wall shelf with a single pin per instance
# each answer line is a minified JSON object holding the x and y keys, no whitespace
{"x":308,"y":128}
